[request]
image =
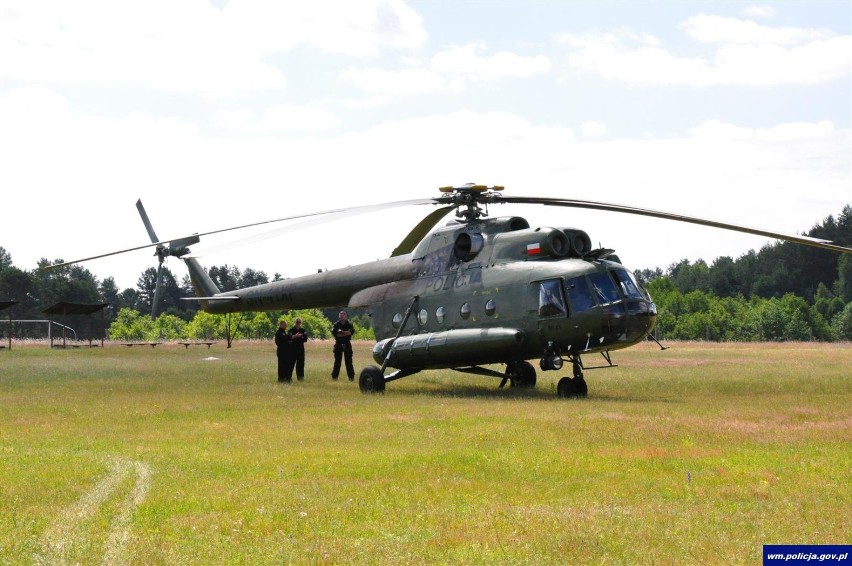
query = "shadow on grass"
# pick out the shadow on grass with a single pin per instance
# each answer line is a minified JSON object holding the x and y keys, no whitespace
{"x":469,"y":392}
{"x":631,"y":397}
{"x":543,"y":392}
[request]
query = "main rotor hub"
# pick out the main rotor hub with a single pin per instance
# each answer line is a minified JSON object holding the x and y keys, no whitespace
{"x":161,"y":252}
{"x":467,"y":198}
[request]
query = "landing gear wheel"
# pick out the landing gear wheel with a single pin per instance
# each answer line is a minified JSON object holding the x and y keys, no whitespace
{"x":521,"y":374}
{"x":572,"y":387}
{"x":371,"y":380}
{"x":580,"y":386}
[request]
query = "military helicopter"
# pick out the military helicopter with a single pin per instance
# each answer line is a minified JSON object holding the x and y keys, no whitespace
{"x":475,"y":292}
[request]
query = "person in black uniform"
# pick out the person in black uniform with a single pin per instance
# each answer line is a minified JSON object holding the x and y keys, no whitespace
{"x":283,"y":344}
{"x":342,"y":332}
{"x":298,"y":337}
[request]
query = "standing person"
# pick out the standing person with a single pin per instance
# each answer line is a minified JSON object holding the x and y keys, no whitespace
{"x":298,"y":337}
{"x":283,"y":345}
{"x":342,"y":332}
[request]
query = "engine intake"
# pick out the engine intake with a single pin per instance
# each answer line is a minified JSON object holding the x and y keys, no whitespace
{"x":467,"y":246}
{"x":580,"y":242}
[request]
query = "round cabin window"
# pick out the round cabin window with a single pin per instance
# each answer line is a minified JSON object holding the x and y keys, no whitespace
{"x":490,"y":307}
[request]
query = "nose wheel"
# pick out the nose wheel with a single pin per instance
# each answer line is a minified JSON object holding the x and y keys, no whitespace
{"x":573,"y":387}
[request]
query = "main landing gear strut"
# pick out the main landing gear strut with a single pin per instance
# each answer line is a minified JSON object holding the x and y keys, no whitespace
{"x":372,"y":378}
{"x":519,"y":374}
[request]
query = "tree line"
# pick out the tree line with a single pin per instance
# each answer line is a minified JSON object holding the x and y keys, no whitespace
{"x":131,"y":325}
{"x":127,"y":315}
{"x":783,"y":291}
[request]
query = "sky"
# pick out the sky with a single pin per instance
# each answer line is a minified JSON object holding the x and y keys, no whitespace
{"x":221,"y":113}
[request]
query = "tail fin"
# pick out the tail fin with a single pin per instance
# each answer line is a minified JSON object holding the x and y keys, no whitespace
{"x":207,"y":294}
{"x":202,"y":284}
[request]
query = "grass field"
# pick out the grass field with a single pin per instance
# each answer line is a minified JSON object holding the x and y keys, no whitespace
{"x":699,"y":454}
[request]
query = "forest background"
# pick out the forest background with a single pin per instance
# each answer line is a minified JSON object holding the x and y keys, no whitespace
{"x":781,"y":292}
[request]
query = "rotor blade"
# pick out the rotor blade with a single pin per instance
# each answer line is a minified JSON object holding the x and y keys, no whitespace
{"x":610,"y":207}
{"x":354,"y":210}
{"x":413,"y":238}
{"x":104,"y":255}
{"x":274,"y":233}
{"x":155,"y":300}
{"x":146,"y":221}
{"x":330,"y":217}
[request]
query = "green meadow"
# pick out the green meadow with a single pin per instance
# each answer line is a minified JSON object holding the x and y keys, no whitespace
{"x":698,"y":454}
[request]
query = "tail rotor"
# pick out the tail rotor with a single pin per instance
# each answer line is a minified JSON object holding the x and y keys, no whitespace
{"x":175,"y":248}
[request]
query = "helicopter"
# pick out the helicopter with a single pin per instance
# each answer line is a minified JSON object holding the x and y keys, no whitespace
{"x":476,"y":292}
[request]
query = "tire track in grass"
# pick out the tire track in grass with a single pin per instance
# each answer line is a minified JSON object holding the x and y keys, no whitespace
{"x":66,"y":531}
{"x":120,"y":533}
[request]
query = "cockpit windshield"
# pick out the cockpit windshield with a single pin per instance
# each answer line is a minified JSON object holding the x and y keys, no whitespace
{"x":628,"y":285}
{"x":604,"y":288}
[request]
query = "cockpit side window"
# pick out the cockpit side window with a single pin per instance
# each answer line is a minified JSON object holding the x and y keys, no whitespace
{"x":580,"y":294}
{"x":629,"y":287}
{"x":551,"y":301}
{"x":604,"y":288}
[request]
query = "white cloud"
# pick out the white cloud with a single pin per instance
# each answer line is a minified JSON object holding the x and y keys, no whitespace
{"x":650,"y":65}
{"x":374,"y":101}
{"x":759,"y":11}
{"x":748,"y":55}
{"x":342,"y":27}
{"x":592,"y":129}
{"x":717,"y":29}
{"x":450,"y":70}
{"x":814,"y":62}
{"x":466,"y":61}
{"x":403,"y":82}
{"x":278,"y":119}
{"x":191,"y":46}
{"x":613,"y":38}
{"x":148,"y":44}
{"x":801,"y":132}
{"x":716,"y":130}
